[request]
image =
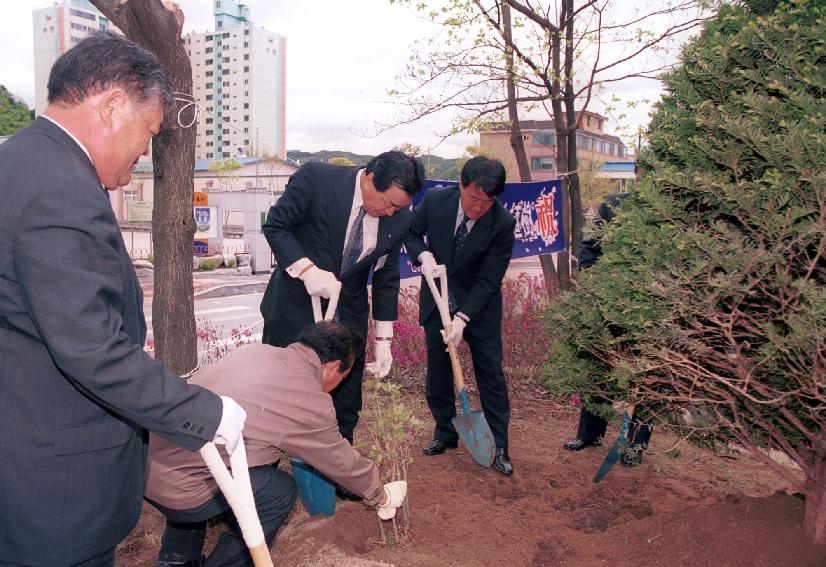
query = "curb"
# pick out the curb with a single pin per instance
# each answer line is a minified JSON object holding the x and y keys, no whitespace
{"x":232,"y":289}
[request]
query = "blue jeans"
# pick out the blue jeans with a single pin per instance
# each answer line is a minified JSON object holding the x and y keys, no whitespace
{"x":183,"y":540}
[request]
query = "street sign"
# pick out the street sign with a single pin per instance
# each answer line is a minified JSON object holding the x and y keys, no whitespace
{"x":139,"y":211}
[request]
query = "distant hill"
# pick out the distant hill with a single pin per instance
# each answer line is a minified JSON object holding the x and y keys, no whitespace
{"x":14,"y":114}
{"x":437,"y":167}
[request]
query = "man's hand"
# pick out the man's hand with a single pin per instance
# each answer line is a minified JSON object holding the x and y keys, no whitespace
{"x":320,"y":283}
{"x":429,"y":267}
{"x":457,"y":328}
{"x":231,"y":427}
{"x":394,"y":495}
{"x":384,"y":357}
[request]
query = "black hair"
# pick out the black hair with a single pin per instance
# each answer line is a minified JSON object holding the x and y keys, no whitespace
{"x":105,"y":59}
{"x":488,"y":174}
{"x":396,"y":168}
{"x":333,"y":340}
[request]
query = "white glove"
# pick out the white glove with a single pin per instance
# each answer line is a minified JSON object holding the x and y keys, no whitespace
{"x":457,"y":327}
{"x":384,"y":357}
{"x":231,"y":427}
{"x":320,"y":283}
{"x":428,"y":264}
{"x":396,"y":493}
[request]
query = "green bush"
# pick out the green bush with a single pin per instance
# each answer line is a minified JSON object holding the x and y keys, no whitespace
{"x":711,"y":289}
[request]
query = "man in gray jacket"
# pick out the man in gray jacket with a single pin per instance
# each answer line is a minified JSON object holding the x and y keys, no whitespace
{"x":78,"y":391}
{"x":286,"y":394}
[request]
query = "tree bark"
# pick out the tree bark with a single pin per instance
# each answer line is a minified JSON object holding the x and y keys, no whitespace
{"x":157,"y":26}
{"x":517,"y":143}
{"x":814,"y":522}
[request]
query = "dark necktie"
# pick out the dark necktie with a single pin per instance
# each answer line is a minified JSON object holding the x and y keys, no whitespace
{"x":458,"y":243}
{"x":353,"y":248}
{"x":460,"y":237}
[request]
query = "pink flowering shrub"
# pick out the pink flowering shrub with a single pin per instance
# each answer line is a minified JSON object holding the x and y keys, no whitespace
{"x":524,"y":339}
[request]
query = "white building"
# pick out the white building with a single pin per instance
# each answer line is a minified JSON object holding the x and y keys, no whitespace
{"x":238,"y":76}
{"x":56,"y":28}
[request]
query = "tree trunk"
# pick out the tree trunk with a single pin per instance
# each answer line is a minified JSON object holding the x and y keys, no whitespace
{"x":570,"y":111}
{"x":517,"y":143}
{"x":152,"y":25}
{"x":814,"y":522}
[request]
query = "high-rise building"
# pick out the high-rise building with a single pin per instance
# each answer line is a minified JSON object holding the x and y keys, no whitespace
{"x":239,"y":78}
{"x":56,"y":28}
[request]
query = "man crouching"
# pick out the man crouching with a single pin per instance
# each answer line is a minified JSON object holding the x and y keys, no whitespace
{"x":285,"y":392}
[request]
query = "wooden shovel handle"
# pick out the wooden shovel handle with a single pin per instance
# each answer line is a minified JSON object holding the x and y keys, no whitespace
{"x":238,"y":494}
{"x":331,"y":306}
{"x":440,"y":297}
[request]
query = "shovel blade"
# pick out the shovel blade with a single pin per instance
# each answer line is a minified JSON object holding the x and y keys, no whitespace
{"x":475,"y":433}
{"x":616,"y":451}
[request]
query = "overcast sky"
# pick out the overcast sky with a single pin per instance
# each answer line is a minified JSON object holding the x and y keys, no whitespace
{"x":342,"y":56}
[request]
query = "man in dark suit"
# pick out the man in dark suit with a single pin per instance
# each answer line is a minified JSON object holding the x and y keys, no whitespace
{"x":472,"y":234}
{"x":591,"y":427}
{"x":78,"y":391}
{"x":337,"y":223}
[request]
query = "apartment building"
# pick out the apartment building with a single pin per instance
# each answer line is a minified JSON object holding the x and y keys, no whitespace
{"x":56,"y":28}
{"x":239,"y":80}
{"x":594,"y":146}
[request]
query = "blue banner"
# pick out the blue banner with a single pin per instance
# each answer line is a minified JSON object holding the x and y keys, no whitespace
{"x":537,"y":207}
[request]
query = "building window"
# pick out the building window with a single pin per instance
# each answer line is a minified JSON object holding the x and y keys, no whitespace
{"x":226,"y":83}
{"x":225,"y":154}
{"x":246,"y":56}
{"x":209,"y":97}
{"x":225,"y":131}
{"x":209,"y":120}
{"x":246,"y":118}
{"x":208,"y":85}
{"x":226,"y":107}
{"x":225,"y":72}
{"x":543,"y":163}
{"x":208,"y":50}
{"x":208,"y":74}
{"x":209,"y":132}
{"x":209,"y":144}
{"x":225,"y":59}
{"x":246,"y":69}
{"x":545,"y":138}
{"x":209,"y":155}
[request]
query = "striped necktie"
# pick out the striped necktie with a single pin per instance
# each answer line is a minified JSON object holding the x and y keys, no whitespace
{"x":352,"y":250}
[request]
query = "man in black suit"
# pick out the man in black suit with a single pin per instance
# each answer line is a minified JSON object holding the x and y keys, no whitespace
{"x":338,"y":223}
{"x":78,"y":391}
{"x":591,"y":427}
{"x":472,"y":234}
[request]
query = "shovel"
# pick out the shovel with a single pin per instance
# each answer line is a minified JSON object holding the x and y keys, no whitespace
{"x":238,"y":492}
{"x":620,"y":445}
{"x":331,"y":306}
{"x":470,"y":425}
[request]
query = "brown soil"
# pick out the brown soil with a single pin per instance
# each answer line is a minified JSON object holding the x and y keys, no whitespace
{"x":696,"y":509}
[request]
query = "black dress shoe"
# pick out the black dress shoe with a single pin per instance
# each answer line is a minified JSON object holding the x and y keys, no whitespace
{"x":579,"y":444}
{"x":344,"y":494}
{"x":439,"y":446}
{"x":502,"y":462}
{"x":631,"y":458}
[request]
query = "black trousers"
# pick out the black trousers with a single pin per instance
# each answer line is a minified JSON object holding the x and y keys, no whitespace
{"x":591,"y":428}
{"x":183,"y":539}
{"x":486,"y":353}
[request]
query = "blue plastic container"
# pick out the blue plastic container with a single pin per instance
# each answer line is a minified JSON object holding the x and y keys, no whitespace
{"x":317,"y":492}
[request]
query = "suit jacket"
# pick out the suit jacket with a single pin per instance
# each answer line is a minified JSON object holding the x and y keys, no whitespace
{"x":310,"y":220}
{"x":77,"y":392}
{"x":475,"y":277}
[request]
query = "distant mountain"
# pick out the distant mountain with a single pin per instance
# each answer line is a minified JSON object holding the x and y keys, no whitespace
{"x":436,"y":167}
